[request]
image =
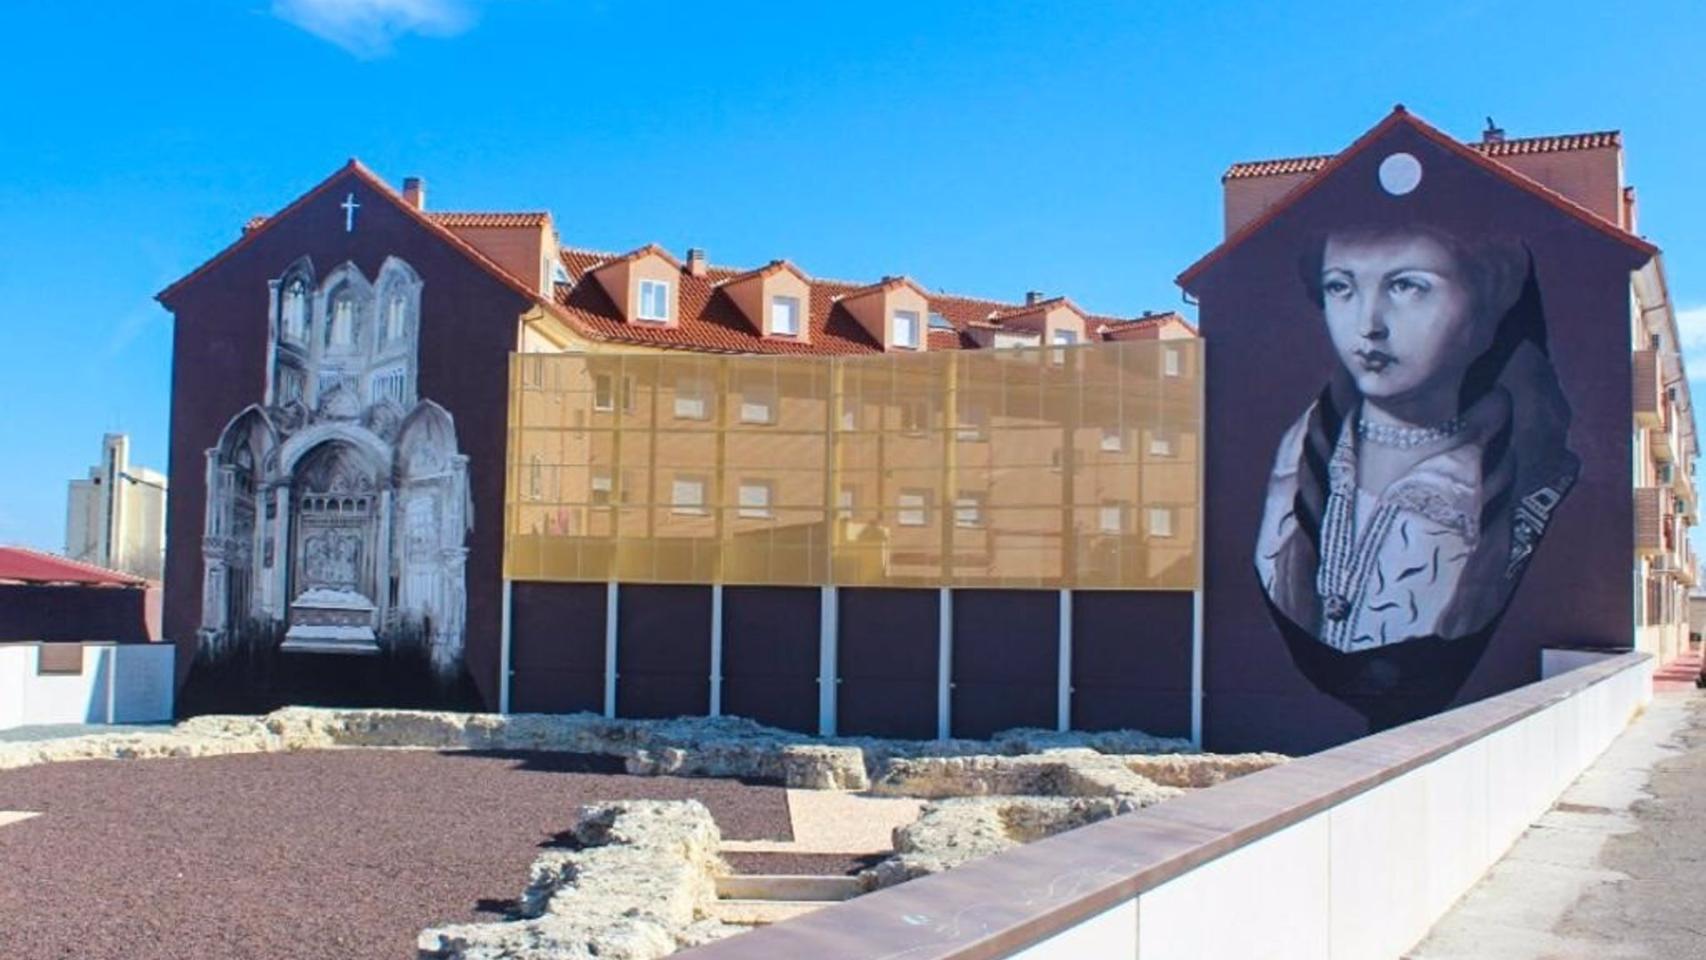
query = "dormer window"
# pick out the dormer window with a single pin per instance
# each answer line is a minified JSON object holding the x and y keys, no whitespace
{"x":905,"y":329}
{"x":654,"y":301}
{"x":1064,"y":338}
{"x":785,"y":316}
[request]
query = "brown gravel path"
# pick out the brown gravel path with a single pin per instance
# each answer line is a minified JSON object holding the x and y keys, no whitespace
{"x":324,"y":854}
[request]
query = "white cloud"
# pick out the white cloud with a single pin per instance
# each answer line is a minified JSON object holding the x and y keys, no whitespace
{"x":368,"y":28}
{"x":1691,"y":329}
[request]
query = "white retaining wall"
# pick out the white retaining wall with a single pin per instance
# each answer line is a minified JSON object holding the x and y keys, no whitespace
{"x":119,"y":683}
{"x":1368,"y":877}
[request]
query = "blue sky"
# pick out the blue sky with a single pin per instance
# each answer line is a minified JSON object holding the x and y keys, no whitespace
{"x":981,"y":147}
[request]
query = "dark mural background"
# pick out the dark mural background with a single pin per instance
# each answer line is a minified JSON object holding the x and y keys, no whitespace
{"x":1255,"y":308}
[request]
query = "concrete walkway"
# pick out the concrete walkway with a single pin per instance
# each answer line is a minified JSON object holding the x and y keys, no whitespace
{"x":1617,"y":869}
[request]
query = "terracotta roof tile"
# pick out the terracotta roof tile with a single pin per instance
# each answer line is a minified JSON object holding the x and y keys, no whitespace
{"x":1498,"y":148}
{"x":710,"y":321}
{"x":23,"y":565}
{"x":478,"y":219}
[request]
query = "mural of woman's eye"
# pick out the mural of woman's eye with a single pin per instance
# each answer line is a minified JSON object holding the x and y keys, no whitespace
{"x":1409,"y":286}
{"x":1336,"y":287}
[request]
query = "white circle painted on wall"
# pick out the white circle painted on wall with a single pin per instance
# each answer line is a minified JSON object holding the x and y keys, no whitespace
{"x":1400,"y":173}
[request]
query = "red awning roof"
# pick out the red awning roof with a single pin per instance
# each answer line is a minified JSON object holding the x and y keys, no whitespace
{"x":22,"y":565}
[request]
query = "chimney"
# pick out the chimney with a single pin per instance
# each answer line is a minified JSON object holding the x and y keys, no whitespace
{"x":1033,"y":297}
{"x":1493,"y":134}
{"x":414,"y":192}
{"x":696,"y":264}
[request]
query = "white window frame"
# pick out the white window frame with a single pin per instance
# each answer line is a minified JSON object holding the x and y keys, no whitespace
{"x":692,"y":390}
{"x":846,"y":500}
{"x":781,"y":300}
{"x":757,"y":507}
{"x":968,"y":510}
{"x":974,"y":422}
{"x":684,"y":506}
{"x":1071,"y":337}
{"x":604,"y":392}
{"x":1159,"y":521}
{"x":1113,"y":439}
{"x":601,"y":483}
{"x":641,"y":313}
{"x":1172,"y":364}
{"x":1110,"y":519}
{"x":901,"y":319}
{"x":1160,"y":444}
{"x":912,"y":507}
{"x":758,"y":404}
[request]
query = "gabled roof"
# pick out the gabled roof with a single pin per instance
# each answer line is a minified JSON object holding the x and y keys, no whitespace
{"x":709,"y":321}
{"x":649,"y":250}
{"x":769,"y":269}
{"x":1497,"y":148}
{"x":883,"y":286}
{"x":1400,"y":116}
{"x":1039,"y":306}
{"x":23,"y":565}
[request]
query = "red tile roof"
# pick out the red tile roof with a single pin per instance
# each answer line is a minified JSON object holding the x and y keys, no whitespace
{"x":23,"y":565}
{"x":1498,"y":148}
{"x":710,"y":321}
{"x":1469,"y":152}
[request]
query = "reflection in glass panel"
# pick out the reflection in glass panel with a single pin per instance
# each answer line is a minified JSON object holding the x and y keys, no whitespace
{"x":939,"y":468}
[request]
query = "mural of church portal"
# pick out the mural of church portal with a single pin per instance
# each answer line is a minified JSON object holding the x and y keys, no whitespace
{"x":338,"y":504}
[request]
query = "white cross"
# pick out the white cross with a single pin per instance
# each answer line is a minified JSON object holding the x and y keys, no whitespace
{"x":350,"y":207}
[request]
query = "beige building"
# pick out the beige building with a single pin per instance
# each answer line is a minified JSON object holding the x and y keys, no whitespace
{"x":116,"y":518}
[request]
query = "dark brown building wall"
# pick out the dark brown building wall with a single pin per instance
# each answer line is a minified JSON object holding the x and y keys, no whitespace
{"x":1006,"y":661}
{"x":71,"y":613}
{"x":770,"y":655}
{"x":663,"y":651}
{"x":468,"y":328}
{"x":1254,"y":309}
{"x":887,"y":660}
{"x":557,"y":647}
{"x":1131,"y":662}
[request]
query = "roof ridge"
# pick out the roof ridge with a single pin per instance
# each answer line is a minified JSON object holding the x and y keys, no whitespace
{"x":1309,"y":163}
{"x":107,"y":572}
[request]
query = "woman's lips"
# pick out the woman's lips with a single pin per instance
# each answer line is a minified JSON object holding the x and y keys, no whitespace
{"x":1375,"y":361}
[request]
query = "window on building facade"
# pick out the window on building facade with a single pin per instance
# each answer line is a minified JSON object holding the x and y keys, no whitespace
{"x":974,"y":422}
{"x":340,"y":327}
{"x":905,"y":329}
{"x":914,"y":416}
{"x":293,"y":311}
{"x":654,"y":301}
{"x":755,"y":499}
{"x":845,"y":500}
{"x":692,"y":399}
{"x":1063,"y":338}
{"x":388,"y":384}
{"x":396,"y":319}
{"x":600,"y":489}
{"x":1160,"y":521}
{"x":687,"y":496}
{"x":1113,"y":440}
{"x":1172,"y":364}
{"x":785,"y":316}
{"x":968,"y":509}
{"x":758,"y":404}
{"x":1110,"y":519}
{"x":603,"y":392}
{"x":1160,"y":444}
{"x":914,"y":508}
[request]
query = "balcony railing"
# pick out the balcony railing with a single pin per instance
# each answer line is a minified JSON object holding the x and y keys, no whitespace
{"x":1648,"y":399}
{"x":1650,"y":508}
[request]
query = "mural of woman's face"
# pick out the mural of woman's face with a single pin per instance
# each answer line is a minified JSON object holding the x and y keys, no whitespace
{"x":1402,"y":317}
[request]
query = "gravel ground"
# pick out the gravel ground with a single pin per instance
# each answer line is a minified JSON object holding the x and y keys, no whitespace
{"x":333,"y":854}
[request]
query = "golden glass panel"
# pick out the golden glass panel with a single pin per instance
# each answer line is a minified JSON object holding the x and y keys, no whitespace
{"x":1033,"y":467}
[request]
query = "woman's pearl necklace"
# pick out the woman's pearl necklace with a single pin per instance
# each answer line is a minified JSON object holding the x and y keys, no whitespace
{"x":1406,"y":438}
